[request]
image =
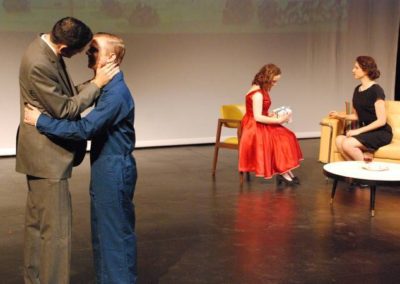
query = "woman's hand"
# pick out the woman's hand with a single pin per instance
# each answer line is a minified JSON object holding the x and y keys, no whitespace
{"x":338,"y":115}
{"x":353,"y":132}
{"x":284,"y":118}
{"x":332,"y":114}
{"x":31,"y":114}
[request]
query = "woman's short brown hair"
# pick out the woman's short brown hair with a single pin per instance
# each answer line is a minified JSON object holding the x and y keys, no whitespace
{"x":264,"y":78}
{"x":368,"y":65}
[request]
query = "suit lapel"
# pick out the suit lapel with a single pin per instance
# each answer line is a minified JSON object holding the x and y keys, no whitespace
{"x":62,"y":72}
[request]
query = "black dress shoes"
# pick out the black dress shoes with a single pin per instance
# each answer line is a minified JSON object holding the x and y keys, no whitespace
{"x":282,"y":180}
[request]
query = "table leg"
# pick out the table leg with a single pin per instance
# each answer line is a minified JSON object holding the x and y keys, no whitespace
{"x":335,"y":181}
{"x":372,"y":200}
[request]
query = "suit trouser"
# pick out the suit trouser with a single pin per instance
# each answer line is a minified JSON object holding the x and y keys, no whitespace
{"x":48,"y":218}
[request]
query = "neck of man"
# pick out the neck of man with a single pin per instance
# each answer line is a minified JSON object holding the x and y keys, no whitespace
{"x":95,"y":73}
{"x":95,"y":69}
{"x":53,"y":45}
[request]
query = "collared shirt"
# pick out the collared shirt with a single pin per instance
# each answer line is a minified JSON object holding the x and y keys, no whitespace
{"x":43,"y":37}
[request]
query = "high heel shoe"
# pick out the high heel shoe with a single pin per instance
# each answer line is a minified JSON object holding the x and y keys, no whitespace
{"x":296,"y":180}
{"x":281,"y":179}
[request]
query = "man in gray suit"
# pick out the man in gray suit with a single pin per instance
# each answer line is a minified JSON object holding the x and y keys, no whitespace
{"x":47,"y":162}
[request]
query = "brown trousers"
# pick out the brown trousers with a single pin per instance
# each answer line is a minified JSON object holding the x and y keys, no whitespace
{"x":48,"y":217}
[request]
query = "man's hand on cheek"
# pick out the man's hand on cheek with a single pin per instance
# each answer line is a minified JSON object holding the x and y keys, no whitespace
{"x":105,"y":73}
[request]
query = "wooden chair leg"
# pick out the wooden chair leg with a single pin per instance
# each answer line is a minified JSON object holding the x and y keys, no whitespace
{"x":242,"y":178}
{"x":216,"y":148}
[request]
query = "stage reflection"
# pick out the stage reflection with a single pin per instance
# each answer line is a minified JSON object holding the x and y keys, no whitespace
{"x":263,"y":230}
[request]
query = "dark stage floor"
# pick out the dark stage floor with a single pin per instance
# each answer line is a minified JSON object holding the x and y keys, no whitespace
{"x":192,"y":229}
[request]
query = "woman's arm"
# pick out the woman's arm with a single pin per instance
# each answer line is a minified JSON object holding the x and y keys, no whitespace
{"x":379,"y":122}
{"x":257,"y":112}
{"x":341,"y":115}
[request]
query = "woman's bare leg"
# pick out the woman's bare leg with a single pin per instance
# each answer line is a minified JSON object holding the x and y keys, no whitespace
{"x":353,"y":149}
{"x":339,"y":145}
{"x":368,"y":156}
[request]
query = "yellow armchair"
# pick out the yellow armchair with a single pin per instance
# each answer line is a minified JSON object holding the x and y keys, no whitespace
{"x":231,"y":117}
{"x":331,"y":128}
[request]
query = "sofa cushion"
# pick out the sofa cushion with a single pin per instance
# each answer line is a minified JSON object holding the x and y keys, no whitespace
{"x":391,"y":151}
{"x":393,"y":118}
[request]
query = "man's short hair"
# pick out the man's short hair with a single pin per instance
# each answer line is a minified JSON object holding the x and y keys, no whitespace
{"x":72,"y":32}
{"x":115,"y":45}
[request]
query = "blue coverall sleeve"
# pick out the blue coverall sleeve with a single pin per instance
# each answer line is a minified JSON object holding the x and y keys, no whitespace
{"x":103,"y":116}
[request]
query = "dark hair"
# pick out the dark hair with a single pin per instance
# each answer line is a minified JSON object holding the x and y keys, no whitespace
{"x":115,"y":44}
{"x":368,"y":65}
{"x":72,"y":32}
{"x":265,"y":76}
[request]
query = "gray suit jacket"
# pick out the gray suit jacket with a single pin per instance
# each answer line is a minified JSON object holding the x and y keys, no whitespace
{"x":45,"y":84}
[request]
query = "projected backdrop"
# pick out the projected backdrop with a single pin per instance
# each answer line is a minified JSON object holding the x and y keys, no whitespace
{"x":177,"y":16}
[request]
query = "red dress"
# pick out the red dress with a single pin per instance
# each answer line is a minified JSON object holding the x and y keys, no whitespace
{"x":266,"y":149}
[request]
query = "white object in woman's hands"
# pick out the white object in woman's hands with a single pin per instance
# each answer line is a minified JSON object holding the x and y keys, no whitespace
{"x":282,"y":111}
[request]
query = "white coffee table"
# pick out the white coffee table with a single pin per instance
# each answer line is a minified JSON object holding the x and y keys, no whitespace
{"x":378,"y":173}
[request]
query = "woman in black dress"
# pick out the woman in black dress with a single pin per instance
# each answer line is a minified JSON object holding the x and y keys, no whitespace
{"x":369,"y":110}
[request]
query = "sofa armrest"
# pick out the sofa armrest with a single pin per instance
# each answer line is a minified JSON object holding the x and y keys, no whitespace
{"x":330,"y":129}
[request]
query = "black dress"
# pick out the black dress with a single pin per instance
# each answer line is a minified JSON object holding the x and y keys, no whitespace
{"x":364,"y":104}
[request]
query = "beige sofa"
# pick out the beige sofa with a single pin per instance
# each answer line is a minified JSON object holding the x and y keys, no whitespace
{"x":330,"y":128}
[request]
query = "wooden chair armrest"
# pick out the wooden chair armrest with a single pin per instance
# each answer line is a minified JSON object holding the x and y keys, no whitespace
{"x":230,"y":123}
{"x":224,"y":120}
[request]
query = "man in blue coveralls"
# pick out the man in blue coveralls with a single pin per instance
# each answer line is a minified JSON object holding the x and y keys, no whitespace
{"x":113,"y":175}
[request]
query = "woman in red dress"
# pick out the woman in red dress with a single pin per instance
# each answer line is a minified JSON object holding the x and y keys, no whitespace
{"x":266,"y":147}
